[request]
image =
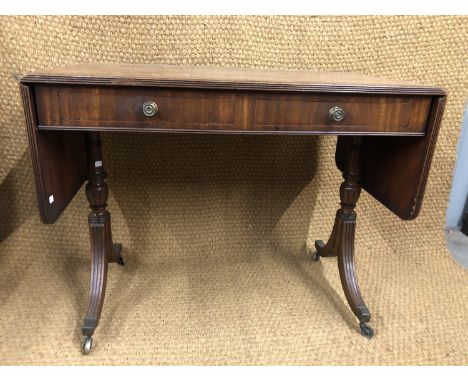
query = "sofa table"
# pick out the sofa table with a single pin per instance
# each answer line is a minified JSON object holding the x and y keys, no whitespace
{"x":386,"y":131}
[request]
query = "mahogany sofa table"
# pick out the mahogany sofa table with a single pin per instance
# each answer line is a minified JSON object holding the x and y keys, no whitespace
{"x":386,"y":131}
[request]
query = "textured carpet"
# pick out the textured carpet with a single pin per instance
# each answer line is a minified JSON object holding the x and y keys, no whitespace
{"x":214,"y":227}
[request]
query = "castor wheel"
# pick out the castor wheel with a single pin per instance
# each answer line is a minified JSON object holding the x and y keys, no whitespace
{"x":120,"y":261}
{"x":87,"y":344}
{"x":366,"y":330}
{"x":319,"y":244}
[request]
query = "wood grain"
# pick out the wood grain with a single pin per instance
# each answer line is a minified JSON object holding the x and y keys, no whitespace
{"x":101,"y":107}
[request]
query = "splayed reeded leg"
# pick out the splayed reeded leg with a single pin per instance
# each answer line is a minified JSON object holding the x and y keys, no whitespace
{"x":341,"y":242}
{"x":103,"y":251}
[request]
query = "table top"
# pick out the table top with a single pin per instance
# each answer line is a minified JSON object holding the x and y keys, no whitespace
{"x":225,"y":78}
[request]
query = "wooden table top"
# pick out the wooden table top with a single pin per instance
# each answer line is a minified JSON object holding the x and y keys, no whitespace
{"x":225,"y":78}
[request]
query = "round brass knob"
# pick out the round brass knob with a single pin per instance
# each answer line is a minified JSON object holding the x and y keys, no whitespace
{"x":150,"y":108}
{"x":336,"y":114}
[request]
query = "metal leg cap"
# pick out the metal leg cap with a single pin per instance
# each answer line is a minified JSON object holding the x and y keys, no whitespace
{"x":366,"y":330}
{"x":87,"y":344}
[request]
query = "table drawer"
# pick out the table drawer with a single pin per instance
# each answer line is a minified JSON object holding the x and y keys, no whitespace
{"x":360,"y":114}
{"x":130,"y":107}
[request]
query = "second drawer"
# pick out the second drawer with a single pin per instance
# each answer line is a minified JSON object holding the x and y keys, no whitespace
{"x":340,"y":114}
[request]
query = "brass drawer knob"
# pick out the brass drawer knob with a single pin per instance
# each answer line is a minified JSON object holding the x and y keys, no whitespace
{"x":150,"y":108}
{"x":336,"y":114}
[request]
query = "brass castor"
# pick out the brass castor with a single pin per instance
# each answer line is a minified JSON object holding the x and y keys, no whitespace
{"x":87,"y":345}
{"x":366,"y":330}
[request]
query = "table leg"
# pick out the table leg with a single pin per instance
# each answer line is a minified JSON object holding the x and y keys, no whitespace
{"x":341,"y":242}
{"x":103,"y":251}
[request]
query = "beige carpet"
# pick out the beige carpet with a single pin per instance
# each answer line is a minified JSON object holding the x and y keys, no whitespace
{"x":214,"y":227}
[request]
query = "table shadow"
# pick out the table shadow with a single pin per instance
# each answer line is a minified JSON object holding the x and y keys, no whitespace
{"x":18,"y":196}
{"x":194,"y":194}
